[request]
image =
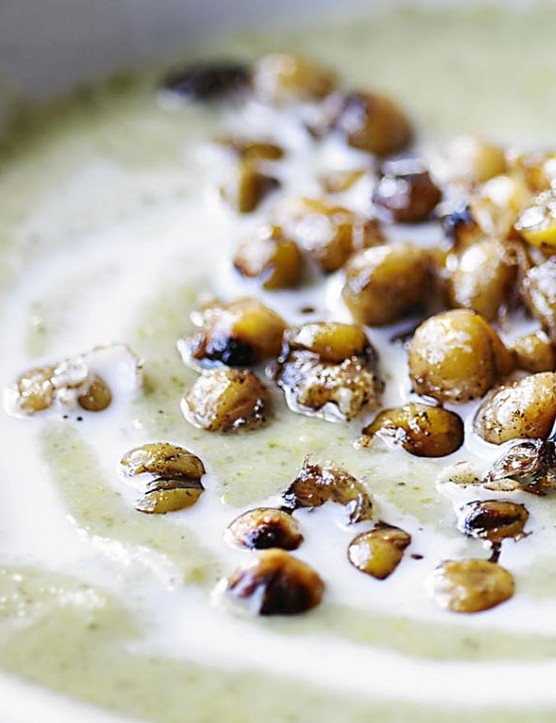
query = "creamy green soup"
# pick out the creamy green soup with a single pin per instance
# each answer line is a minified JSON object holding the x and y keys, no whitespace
{"x":111,"y":225}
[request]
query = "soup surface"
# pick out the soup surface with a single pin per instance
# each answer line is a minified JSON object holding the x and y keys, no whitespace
{"x":111,"y":226}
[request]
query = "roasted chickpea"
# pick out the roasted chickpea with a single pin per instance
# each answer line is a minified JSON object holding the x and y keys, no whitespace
{"x":461,"y":229}
{"x":275,"y":261}
{"x":329,"y":234}
{"x":497,"y":204}
{"x":493,"y":520}
{"x":537,"y":223}
{"x":421,"y":429}
{"x":471,"y":160}
{"x":484,"y":278}
{"x":276,"y":583}
{"x":529,"y":465}
{"x":406,"y":190}
{"x":96,"y":395}
{"x":370,"y":122}
{"x":535,"y":169}
{"x":383,"y":283}
{"x":163,"y":460}
{"x":538,"y":290}
{"x":164,"y":500}
{"x":340,"y":181}
{"x":457,"y":356}
{"x":331,"y":341}
{"x":34,"y":391}
{"x":266,"y":527}
{"x":251,"y":149}
{"x":525,"y":408}
{"x":316,"y":484}
{"x":534,"y":353}
{"x":207,"y":81}
{"x":248,"y":187}
{"x":470,"y":586}
{"x":282,"y":78}
{"x":225,"y":400}
{"x":241,"y":333}
{"x":379,"y":552}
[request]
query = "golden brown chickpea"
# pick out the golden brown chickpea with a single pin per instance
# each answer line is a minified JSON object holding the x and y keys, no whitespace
{"x":534,"y":353}
{"x":275,"y":261}
{"x":276,"y":583}
{"x":241,"y":333}
{"x":96,"y":396}
{"x":161,"y":501}
{"x":281,"y":78}
{"x":525,"y":408}
{"x":461,"y":229}
{"x":457,"y":356}
{"x":266,"y":527}
{"x":471,"y":160}
{"x":383,"y":283}
{"x":537,"y":223}
{"x":34,"y":390}
{"x":421,"y":429}
{"x":248,"y":187}
{"x":225,"y":400}
{"x":470,"y":586}
{"x":484,"y":278}
{"x":340,"y":181}
{"x":329,"y":234}
{"x":379,"y":552}
{"x":536,"y":170}
{"x":163,"y":460}
{"x":370,"y":122}
{"x":331,"y":341}
{"x":406,"y":190}
{"x":251,"y":149}
{"x":316,"y":484}
{"x":497,"y":204}
{"x":538,"y":290}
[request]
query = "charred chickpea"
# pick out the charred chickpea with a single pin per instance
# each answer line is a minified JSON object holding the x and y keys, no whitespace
{"x":248,"y":186}
{"x":276,"y":583}
{"x":525,"y":408}
{"x":225,"y":400}
{"x":271,"y":258}
{"x":241,"y":333}
{"x":484,"y":278}
{"x":456,"y":356}
{"x":538,"y":291}
{"x":493,"y":520}
{"x":422,"y":430}
{"x":282,"y":78}
{"x":470,"y":586}
{"x":406,"y":191}
{"x":385,"y":282}
{"x":208,"y":81}
{"x":96,"y":395}
{"x":329,"y":234}
{"x":265,"y":527}
{"x":528,"y":465}
{"x":534,"y":353}
{"x":370,"y":122}
{"x":316,"y":484}
{"x":379,"y":552}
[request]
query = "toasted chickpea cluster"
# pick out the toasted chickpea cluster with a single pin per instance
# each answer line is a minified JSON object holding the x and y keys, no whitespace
{"x":457,"y":356}
{"x":523,"y":409}
{"x":225,"y":400}
{"x":265,"y":527}
{"x":275,"y":261}
{"x":276,"y":583}
{"x":329,"y":234}
{"x":242,"y":333}
{"x":384,"y":282}
{"x":73,"y":384}
{"x":421,"y":429}
{"x":169,"y":477}
{"x":316,"y":484}
{"x":379,"y":552}
{"x":328,"y":369}
{"x":471,"y":586}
